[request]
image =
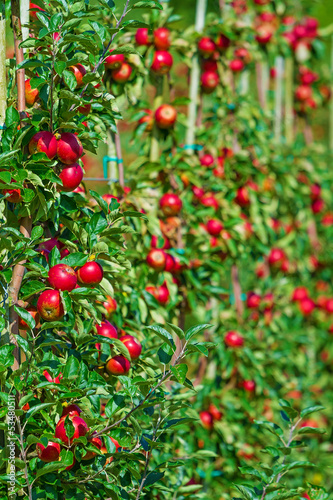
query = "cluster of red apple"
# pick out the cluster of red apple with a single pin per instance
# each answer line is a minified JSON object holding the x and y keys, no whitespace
{"x":258,"y":303}
{"x":51,"y":452}
{"x":307,"y":305}
{"x":64,"y":278}
{"x":301,"y":35}
{"x":265,"y":24}
{"x":162,"y":59}
{"x":164,"y":117}
{"x":67,"y":148}
{"x":208,"y":417}
{"x":303,"y":92}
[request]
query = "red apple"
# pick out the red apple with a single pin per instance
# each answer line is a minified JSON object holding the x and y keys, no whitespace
{"x":253,"y":300}
{"x":306,"y":306}
{"x":114,"y":61}
{"x":170,"y":204}
{"x":303,"y":93}
{"x":43,"y":142}
{"x":49,"y":305}
{"x":134,"y":347}
{"x":209,"y":81}
{"x":49,"y":378}
{"x":276,"y":257}
{"x":206,"y":419}
{"x":154,"y":242}
{"x":209,"y":200}
{"x":118,"y":365}
{"x":214,"y":227}
{"x":122,"y":74}
{"x":69,"y":148}
{"x":242,"y":197}
{"x":14,"y":195}
{"x":215,"y":413}
{"x":79,"y":72}
{"x":148,"y":119}
{"x":34,"y":313}
{"x":91,"y":274}
{"x":264,"y":33}
{"x":33,"y":14}
{"x":62,"y":277}
{"x":233,"y":339}
{"x":165,"y":116}
{"x":107,"y":330}
{"x":198,"y":192}
{"x":249,"y":385}
{"x":300,"y":293}
{"x":80,"y":429}
{"x":236,"y":65}
{"x":162,"y":38}
{"x":156,"y":259}
{"x":31,"y":95}
{"x":71,"y":176}
{"x":163,"y":295}
{"x":209,"y":65}
{"x":71,"y":409}
{"x":162,"y":62}
{"x":50,"y":453}
{"x":222,"y":42}
{"x":110,"y":304}
{"x":206,"y":46}
{"x":207,"y":160}
{"x":96,"y":441}
{"x":141,"y":36}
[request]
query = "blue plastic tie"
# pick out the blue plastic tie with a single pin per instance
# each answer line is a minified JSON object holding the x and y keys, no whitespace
{"x":3,"y":127}
{"x":195,"y":147}
{"x":106,"y":160}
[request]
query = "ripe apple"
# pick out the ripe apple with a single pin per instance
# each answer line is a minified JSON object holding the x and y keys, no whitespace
{"x":71,"y":176}
{"x":233,"y":339}
{"x":206,"y":46}
{"x":163,"y":295}
{"x":49,"y":305}
{"x":34,"y":313}
{"x":62,"y":277}
{"x":141,"y":36}
{"x":198,"y":192}
{"x":69,"y":148}
{"x":317,"y":206}
{"x":114,"y":61}
{"x":242,"y":197}
{"x":156,"y":259}
{"x":162,"y":62}
{"x":165,"y":116}
{"x":303,"y":92}
{"x":306,"y":306}
{"x":329,"y":305}
{"x":14,"y":195}
{"x":80,"y":428}
{"x":209,"y":200}
{"x":209,"y":81}
{"x":214,"y":227}
{"x":206,"y":419}
{"x":215,"y":413}
{"x":148,"y":119}
{"x":50,"y":453}
{"x":31,"y":95}
{"x":264,"y":33}
{"x":162,"y":38}
{"x":107,"y":330}
{"x":91,"y":274}
{"x":33,"y":14}
{"x":96,"y":441}
{"x":46,"y":247}
{"x":249,"y":385}
{"x":154,"y":242}
{"x":276,"y":257}
{"x":71,"y":409}
{"x":134,"y":347}
{"x":236,"y":65}
{"x":170,"y":204}
{"x":253,"y":300}
{"x":43,"y":142}
{"x":79,"y":72}
{"x":122,"y":74}
{"x":222,"y":42}
{"x":207,"y":160}
{"x":85,"y":109}
{"x":209,"y":65}
{"x":299,"y":293}
{"x":118,"y":365}
{"x":110,"y":304}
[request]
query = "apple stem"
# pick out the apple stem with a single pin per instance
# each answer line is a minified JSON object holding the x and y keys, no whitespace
{"x":279,"y":65}
{"x":289,"y":101}
{"x":3,"y":85}
{"x":194,"y":79}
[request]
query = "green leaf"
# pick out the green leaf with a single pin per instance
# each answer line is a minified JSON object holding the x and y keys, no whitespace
{"x":180,"y":372}
{"x":69,"y":79}
{"x":153,"y":477}
{"x":163,"y":334}
{"x":178,"y":331}
{"x":119,"y":345}
{"x":311,"y":430}
{"x":26,"y":316}
{"x":51,"y":467}
{"x":77,"y":259}
{"x":311,"y":409}
{"x":147,"y":4}
{"x":195,"y":329}
{"x":245,"y":491}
